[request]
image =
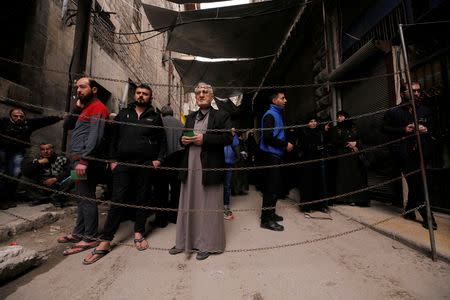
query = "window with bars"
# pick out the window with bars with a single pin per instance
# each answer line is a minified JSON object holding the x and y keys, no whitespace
{"x":103,"y":30}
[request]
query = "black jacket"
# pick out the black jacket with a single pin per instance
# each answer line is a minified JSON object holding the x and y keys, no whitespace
{"x":312,"y":144}
{"x":22,"y":132}
{"x":212,"y":155}
{"x":135,"y":143}
{"x":343,"y":133}
{"x":395,"y":122}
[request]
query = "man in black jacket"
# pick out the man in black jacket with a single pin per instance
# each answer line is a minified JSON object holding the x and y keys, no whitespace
{"x":143,"y":144}
{"x":399,"y":122}
{"x":12,"y":152}
{"x":202,"y":190}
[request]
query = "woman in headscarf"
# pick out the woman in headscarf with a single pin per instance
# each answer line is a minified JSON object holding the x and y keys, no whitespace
{"x":351,"y":171}
{"x":314,"y":179}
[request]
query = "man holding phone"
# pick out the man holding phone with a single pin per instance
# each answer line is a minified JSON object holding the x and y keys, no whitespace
{"x":88,"y":122}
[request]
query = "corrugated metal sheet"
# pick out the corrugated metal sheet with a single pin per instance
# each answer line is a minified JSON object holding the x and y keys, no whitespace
{"x":369,"y":96}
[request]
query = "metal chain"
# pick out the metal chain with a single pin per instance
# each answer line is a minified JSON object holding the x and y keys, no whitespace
{"x":191,"y":129}
{"x":287,"y":245}
{"x":282,"y":165}
{"x":290,"y":86}
{"x":207,"y":210}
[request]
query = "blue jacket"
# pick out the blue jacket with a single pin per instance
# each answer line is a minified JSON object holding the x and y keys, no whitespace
{"x":230,"y":157}
{"x":277,"y":135}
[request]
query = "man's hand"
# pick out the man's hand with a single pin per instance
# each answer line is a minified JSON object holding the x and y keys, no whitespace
{"x":422,"y":129}
{"x":43,"y":161}
{"x":113,"y":165}
{"x":185,"y":140}
{"x":409,"y":128}
{"x":198,"y":139}
{"x":352,"y":145}
{"x":289,"y":147}
{"x":50,"y":181}
{"x":156,"y":163}
{"x":80,"y":170}
{"x":79,"y":104}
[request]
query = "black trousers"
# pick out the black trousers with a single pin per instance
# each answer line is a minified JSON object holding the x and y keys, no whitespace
{"x":416,"y":194}
{"x":313,"y":185}
{"x":167,"y":189}
{"x":128,"y":181}
{"x":272,"y":185}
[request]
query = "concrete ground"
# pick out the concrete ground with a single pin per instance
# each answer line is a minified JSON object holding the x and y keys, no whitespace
{"x":363,"y":264}
{"x":408,"y":232}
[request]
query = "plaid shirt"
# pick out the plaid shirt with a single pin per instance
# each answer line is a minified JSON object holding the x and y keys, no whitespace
{"x":59,"y":168}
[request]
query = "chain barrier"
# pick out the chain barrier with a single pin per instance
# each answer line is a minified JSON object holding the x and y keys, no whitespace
{"x":289,"y":86}
{"x":6,"y":99}
{"x":207,"y":210}
{"x":287,"y":245}
{"x":282,"y":165}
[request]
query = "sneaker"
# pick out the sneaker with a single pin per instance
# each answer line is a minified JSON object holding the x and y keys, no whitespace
{"x":228,"y":215}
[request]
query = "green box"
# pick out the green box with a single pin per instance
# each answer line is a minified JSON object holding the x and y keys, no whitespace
{"x":189,"y":134}
{"x":73,"y":175}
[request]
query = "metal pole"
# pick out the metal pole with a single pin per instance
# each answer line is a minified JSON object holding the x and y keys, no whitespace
{"x":331,"y":89}
{"x":280,"y":49}
{"x":422,"y":164}
{"x":169,"y":79}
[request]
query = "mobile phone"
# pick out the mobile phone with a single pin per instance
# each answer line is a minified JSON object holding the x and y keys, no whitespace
{"x":73,"y":175}
{"x":189,"y":134}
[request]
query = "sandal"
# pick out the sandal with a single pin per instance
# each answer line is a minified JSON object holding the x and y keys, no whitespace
{"x":78,"y":248}
{"x":140,"y":241}
{"x":68,"y":239}
{"x":101,"y":254}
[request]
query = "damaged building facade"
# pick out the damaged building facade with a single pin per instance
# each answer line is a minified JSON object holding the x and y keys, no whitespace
{"x":40,"y":42}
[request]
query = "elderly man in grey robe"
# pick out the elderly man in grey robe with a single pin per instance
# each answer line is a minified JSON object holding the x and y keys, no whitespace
{"x":202,"y":229}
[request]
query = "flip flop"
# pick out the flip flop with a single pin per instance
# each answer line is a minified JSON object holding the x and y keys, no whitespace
{"x":67,"y":239}
{"x":140,"y":241}
{"x":78,"y":248}
{"x":102,"y":253}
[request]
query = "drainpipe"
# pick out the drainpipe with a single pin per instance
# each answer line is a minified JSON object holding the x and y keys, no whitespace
{"x":124,"y":101}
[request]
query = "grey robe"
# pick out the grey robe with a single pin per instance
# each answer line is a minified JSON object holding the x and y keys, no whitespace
{"x":203,"y":231}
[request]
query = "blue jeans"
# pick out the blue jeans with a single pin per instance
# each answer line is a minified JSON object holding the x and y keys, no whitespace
{"x":10,"y":164}
{"x":227,"y":185}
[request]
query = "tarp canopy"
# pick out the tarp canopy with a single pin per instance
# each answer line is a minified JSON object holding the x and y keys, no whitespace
{"x":195,"y":1}
{"x":222,"y":74}
{"x":246,"y":31}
